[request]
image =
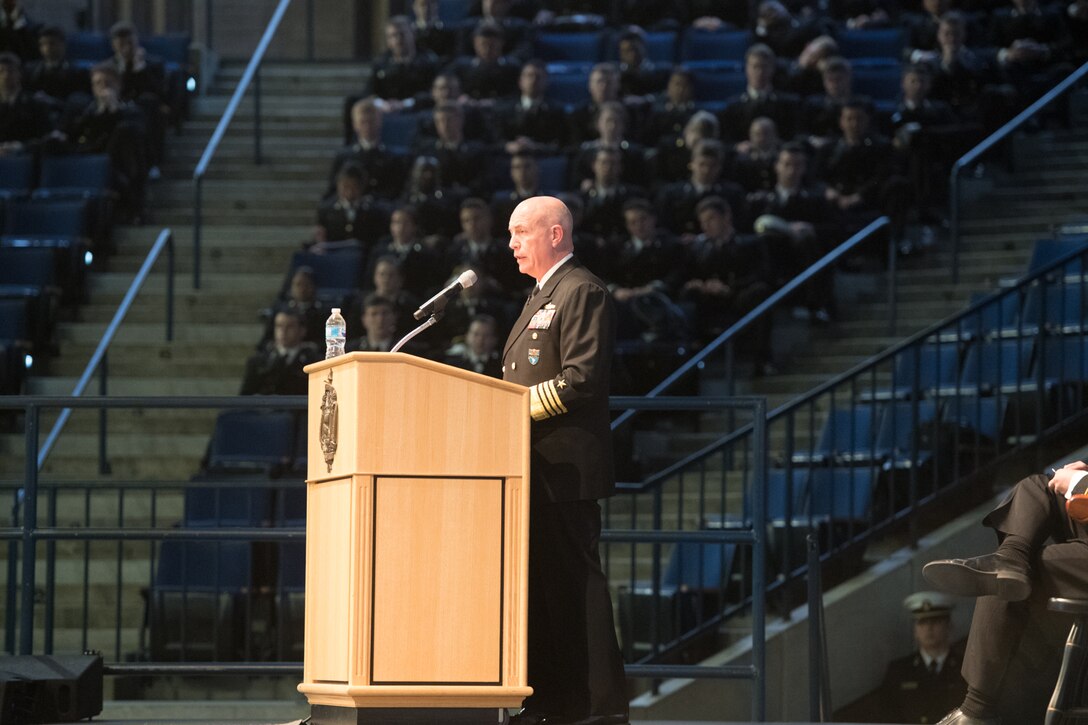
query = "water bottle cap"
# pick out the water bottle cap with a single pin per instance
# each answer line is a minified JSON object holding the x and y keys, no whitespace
{"x":336,"y":310}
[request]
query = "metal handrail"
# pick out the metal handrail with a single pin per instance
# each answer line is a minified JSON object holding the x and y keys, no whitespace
{"x":251,"y":73}
{"x":767,"y":305}
{"x":99,"y":360}
{"x":988,"y":143}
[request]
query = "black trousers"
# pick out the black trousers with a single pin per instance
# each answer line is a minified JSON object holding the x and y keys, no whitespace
{"x":999,"y":652}
{"x":575,"y":666}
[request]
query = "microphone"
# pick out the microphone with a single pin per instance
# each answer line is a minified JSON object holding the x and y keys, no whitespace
{"x":438,"y":302}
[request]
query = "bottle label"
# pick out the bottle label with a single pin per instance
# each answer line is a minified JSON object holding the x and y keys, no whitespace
{"x":334,"y":331}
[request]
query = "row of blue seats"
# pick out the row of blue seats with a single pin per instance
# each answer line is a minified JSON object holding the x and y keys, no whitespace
{"x":55,"y":177}
{"x":86,"y":48}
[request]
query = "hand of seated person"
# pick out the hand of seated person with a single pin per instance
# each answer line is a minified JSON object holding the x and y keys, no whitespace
{"x":802,"y":231}
{"x":10,"y":148}
{"x":717,"y":288}
{"x":1062,"y":478}
{"x":707,"y":22}
{"x":320,"y":234}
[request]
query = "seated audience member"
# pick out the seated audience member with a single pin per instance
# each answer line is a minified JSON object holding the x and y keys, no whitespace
{"x":24,"y":120}
{"x":479,"y":351}
{"x":524,"y":183}
{"x":728,"y":276}
{"x":431,"y":33}
{"x":531,"y":123}
{"x":716,"y":15}
{"x":820,"y":113}
{"x":1032,"y":38}
{"x":639,"y":76}
{"x":604,"y":198}
{"x":483,"y":298}
{"x":672,"y":157}
{"x":477,"y":248}
{"x":18,"y":32}
{"x":143,"y":82}
{"x":753,"y":165}
{"x":301,"y":300}
{"x":388,"y":283}
{"x":591,"y":249}
{"x":782,"y":32}
{"x":859,"y":174}
{"x":403,"y":70}
{"x":676,"y":202}
{"x":114,"y":127}
{"x":435,"y":201}
{"x":446,"y":88}
{"x":352,"y":215}
{"x":487,"y":73}
{"x":805,"y":75}
{"x":517,"y":31}
{"x":276,"y":368}
{"x":604,"y":86}
{"x":646,"y":263}
{"x":423,"y":270}
{"x":460,"y":161}
{"x":968,"y":80}
{"x":671,"y":110}
{"x":385,"y":169}
{"x":612,"y":124}
{"x":760,"y":99}
{"x":1077,"y":21}
{"x":379,"y":323}
{"x":921,"y":30}
{"x":802,"y":226}
{"x":54,"y":75}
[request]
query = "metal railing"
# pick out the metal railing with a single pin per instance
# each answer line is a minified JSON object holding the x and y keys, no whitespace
{"x":154,"y":522}
{"x":972,"y":156}
{"x":209,"y":27}
{"x":252,"y":75}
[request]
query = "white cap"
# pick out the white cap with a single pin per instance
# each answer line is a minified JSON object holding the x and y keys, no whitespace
{"x":336,"y":310}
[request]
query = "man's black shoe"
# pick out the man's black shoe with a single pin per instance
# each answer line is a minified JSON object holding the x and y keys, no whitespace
{"x":531,"y":717}
{"x":959,"y":717}
{"x":980,"y":576}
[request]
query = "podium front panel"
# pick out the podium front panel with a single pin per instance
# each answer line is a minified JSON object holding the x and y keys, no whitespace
{"x":438,"y":573}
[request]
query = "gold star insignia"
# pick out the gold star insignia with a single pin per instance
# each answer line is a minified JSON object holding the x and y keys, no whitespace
{"x":561,"y":384}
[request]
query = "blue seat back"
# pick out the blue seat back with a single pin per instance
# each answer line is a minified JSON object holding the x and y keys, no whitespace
{"x":714,"y":45}
{"x":291,"y":569}
{"x":989,"y":364}
{"x":586,"y":47}
{"x":1046,"y":251}
{"x":932,"y":365}
{"x":840,"y":494}
{"x":717,"y":85}
{"x":661,"y":46}
{"x":900,"y":425}
{"x":247,"y":506}
{"x":337,"y":271}
{"x":1065,"y":359}
{"x":16,"y":173}
{"x":89,"y":172}
{"x":452,"y":11}
{"x":14,"y":314}
{"x":246,"y":439}
{"x":849,"y":434}
{"x":875,"y":43}
{"x":1058,"y":306}
{"x":30,"y":266}
{"x":881,"y":83}
{"x":399,"y":130}
{"x":698,"y":566}
{"x":204,"y":566}
{"x":172,"y":47}
{"x":567,"y":84}
{"x":62,"y":218}
{"x":89,"y":47}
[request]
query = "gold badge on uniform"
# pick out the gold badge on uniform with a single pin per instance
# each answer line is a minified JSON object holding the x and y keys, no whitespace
{"x":534,"y":355}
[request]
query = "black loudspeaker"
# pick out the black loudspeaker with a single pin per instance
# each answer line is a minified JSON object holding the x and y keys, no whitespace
{"x":40,"y":689}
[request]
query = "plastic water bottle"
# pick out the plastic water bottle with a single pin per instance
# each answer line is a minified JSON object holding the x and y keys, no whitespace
{"x":335,"y":333}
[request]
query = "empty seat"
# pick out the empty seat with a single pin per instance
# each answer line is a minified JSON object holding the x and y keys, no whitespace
{"x":715,"y":86}
{"x":1056,"y":308}
{"x":991,"y":366}
{"x":871,"y":43}
{"x":993,"y":313}
{"x":661,"y":46}
{"x":87,"y":48}
{"x":74,"y":176}
{"x":47,"y":218}
{"x":1048,"y":251}
{"x":901,"y":441}
{"x":713,"y":45}
{"x":244,"y":506}
{"x":399,"y":130}
{"x":291,"y":595}
{"x":924,"y":368}
{"x":16,"y":176}
{"x":567,"y":85}
{"x":452,"y":11}
{"x":841,"y":494}
{"x":172,"y":47}
{"x":198,"y":601}
{"x":848,"y":435}
{"x":337,"y":274}
{"x":252,"y":441}
{"x":881,"y":83}
{"x":585,"y":47}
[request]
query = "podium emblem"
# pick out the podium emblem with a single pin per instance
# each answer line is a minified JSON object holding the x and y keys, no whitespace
{"x":328,"y":422}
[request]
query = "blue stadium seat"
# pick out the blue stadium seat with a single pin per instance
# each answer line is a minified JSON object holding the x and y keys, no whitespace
{"x":1064,"y":361}
{"x":88,"y":48}
{"x":881,"y":83}
{"x":1057,"y":308}
{"x":252,"y":441}
{"x":399,"y":130}
{"x":172,"y":47}
{"x":923,"y":368}
{"x":75,"y":176}
{"x":900,"y":431}
{"x":1048,"y":251}
{"x":28,"y":267}
{"x":996,"y":313}
{"x":291,"y":586}
{"x":553,"y":172}
{"x":567,"y":84}
{"x":661,"y":46}
{"x":452,"y":11}
{"x":16,"y":176}
{"x":716,"y":85}
{"x":197,"y":602}
{"x":585,"y":47}
{"x":14,"y":321}
{"x":337,"y":273}
{"x":990,"y":366}
{"x":47,"y":218}
{"x":848,"y":436}
{"x":840,"y":494}
{"x":714,"y":45}
{"x":982,"y":421}
{"x":217,"y":506}
{"x":291,"y":505}
{"x":69,"y":260}
{"x":875,"y":43}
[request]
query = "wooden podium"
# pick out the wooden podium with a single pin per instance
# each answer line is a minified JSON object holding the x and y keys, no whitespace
{"x":417,"y":534}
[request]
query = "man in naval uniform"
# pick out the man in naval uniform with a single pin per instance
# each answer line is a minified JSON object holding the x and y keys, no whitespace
{"x":561,"y":347}
{"x":926,"y":684}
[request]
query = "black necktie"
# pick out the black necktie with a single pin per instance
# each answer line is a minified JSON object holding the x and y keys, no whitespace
{"x":529,"y":300}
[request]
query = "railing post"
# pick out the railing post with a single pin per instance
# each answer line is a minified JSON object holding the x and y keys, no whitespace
{"x":954,"y":219}
{"x":893,"y":282}
{"x":759,"y":563}
{"x":30,"y":522}
{"x":170,"y":287}
{"x":198,"y":224}
{"x":10,"y":599}
{"x":103,"y":380}
{"x":257,"y":116}
{"x":50,"y":575}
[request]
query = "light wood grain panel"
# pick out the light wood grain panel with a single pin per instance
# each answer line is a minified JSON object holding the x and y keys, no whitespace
{"x":437,"y":581}
{"x":328,"y":567}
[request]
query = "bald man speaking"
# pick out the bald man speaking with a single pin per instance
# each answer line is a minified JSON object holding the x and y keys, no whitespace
{"x":561,"y":347}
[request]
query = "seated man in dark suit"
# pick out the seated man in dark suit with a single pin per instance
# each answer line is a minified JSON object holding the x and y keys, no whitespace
{"x":760,"y":99}
{"x":24,"y":120}
{"x":524,"y":182}
{"x":639,"y":76}
{"x":423,"y":269}
{"x":403,"y":70}
{"x":460,"y":161}
{"x":431,"y":33}
{"x":351,"y":215}
{"x":477,"y":248}
{"x":488,"y":73}
{"x":612,"y":124}
{"x":603,"y":200}
{"x":276,"y":369}
{"x":17,"y":30}
{"x":478,"y":351}
{"x":388,"y":283}
{"x":604,"y":86}
{"x":385,"y":169}
{"x":1041,"y":553}
{"x":54,"y":75}
{"x":436,"y":202}
{"x":753,"y":164}
{"x":676,"y":202}
{"x":820,"y":113}
{"x":670,"y":110}
{"x":517,"y":32}
{"x":301,"y":299}
{"x":143,"y":82}
{"x":531,"y":123}
{"x":671,"y":160}
{"x":379,"y":326}
{"x":969,"y":79}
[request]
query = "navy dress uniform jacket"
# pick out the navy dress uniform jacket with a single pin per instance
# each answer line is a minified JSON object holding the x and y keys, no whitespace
{"x":561,"y":347}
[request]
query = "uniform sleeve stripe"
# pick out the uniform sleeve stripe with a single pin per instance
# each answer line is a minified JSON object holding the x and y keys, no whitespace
{"x":548,"y":398}
{"x":553,"y":395}
{"x":536,"y":404}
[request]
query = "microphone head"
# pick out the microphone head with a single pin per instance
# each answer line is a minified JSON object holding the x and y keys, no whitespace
{"x":467,"y":278}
